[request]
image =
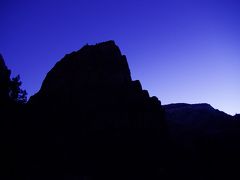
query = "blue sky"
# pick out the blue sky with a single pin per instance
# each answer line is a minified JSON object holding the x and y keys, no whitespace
{"x":181,"y":50}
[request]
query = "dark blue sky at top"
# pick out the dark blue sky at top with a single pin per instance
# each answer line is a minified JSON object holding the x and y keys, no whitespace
{"x":181,"y":50}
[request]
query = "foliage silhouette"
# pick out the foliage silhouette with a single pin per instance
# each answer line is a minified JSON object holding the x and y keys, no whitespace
{"x":10,"y":89}
{"x":16,"y":94}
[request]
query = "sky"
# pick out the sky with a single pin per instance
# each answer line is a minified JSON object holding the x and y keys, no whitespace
{"x":181,"y":50}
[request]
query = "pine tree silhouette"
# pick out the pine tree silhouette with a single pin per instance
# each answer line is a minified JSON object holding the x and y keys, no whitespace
{"x":10,"y":89}
{"x":16,"y":94}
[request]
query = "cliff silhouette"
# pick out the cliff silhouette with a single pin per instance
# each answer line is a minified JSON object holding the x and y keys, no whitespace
{"x":90,"y":120}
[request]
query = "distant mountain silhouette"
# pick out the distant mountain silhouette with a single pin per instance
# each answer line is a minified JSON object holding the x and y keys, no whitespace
{"x":198,"y":118}
{"x":203,"y":140}
{"x":90,"y":120}
{"x":237,"y":117}
{"x":195,"y":114}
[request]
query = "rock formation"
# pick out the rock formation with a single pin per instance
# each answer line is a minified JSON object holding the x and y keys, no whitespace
{"x":90,"y":117}
{"x":4,"y":82}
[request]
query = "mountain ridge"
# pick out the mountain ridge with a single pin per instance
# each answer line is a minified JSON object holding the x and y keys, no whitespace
{"x":90,"y":118}
{"x":205,"y":106}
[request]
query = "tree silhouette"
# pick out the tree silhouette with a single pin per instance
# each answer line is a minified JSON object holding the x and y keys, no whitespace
{"x":15,"y":92}
{"x":10,"y":88}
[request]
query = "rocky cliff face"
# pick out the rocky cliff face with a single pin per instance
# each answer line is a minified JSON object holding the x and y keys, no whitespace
{"x":97,"y":79}
{"x":4,"y":81}
{"x":91,"y":112}
{"x":92,"y":68}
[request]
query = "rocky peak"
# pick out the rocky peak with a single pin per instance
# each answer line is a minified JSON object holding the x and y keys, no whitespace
{"x":96,"y":73}
{"x":91,"y":67}
{"x":89,"y":101}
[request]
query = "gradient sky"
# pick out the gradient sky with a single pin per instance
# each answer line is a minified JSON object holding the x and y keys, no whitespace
{"x":181,"y":50}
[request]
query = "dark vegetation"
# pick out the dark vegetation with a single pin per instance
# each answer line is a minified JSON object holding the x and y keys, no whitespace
{"x":10,"y":89}
{"x":90,"y":120}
